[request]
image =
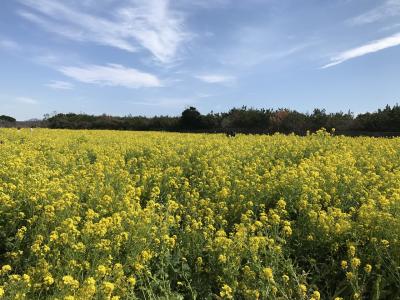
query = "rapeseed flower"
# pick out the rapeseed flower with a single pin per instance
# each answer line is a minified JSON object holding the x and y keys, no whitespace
{"x":115,"y":215}
{"x":226,"y":292}
{"x":268,"y":274}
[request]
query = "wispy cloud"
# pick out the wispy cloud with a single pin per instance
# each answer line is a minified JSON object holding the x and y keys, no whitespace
{"x":148,"y":24}
{"x":60,"y":85}
{"x":390,"y":8}
{"x":27,"y":100}
{"x":390,"y":27}
{"x":111,"y":75}
{"x":9,"y":44}
{"x":215,"y":78}
{"x":368,"y":48}
{"x":156,"y":27}
{"x":261,"y":45}
{"x":49,"y":59}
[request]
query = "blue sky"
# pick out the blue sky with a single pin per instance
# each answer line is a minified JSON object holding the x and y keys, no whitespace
{"x":153,"y":57}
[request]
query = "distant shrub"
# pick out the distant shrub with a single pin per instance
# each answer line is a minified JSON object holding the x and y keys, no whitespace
{"x":7,"y":119}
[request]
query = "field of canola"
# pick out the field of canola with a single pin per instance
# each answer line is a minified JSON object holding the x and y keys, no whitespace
{"x":131,"y":215}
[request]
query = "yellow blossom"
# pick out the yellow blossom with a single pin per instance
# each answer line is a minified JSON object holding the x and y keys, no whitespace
{"x":48,"y":280}
{"x":70,"y":281}
{"x":226,"y":292}
{"x":367,"y":268}
{"x":352,"y":250}
{"x":349,"y":275}
{"x":303,"y":289}
{"x":355,"y":262}
{"x":285,"y":278}
{"x":315,"y":295}
{"x":222,"y":258}
{"x":101,"y":270}
{"x":344,"y":264}
{"x":132,"y":281}
{"x":6,"y":269}
{"x":108,"y":287}
{"x":268,"y":274}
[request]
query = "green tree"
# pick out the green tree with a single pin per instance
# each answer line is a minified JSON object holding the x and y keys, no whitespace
{"x":7,"y":119}
{"x":191,"y":119}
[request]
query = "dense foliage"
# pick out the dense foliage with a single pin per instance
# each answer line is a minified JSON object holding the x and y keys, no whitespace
{"x":7,"y":119}
{"x":241,"y":120}
{"x":129,"y":215}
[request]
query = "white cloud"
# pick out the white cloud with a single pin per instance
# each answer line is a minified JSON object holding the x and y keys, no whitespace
{"x":215,"y":78}
{"x":390,"y":8}
{"x":60,"y":85}
{"x":155,"y":27}
{"x":150,"y":24}
{"x":27,"y":100}
{"x":371,"y":47}
{"x":111,"y":75}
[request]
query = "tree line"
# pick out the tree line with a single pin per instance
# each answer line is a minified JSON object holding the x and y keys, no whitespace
{"x":244,"y":119}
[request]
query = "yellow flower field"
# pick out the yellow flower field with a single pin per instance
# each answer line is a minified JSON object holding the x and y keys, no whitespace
{"x":150,"y":215}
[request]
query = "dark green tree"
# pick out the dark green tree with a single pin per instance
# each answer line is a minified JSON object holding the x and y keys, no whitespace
{"x":5,"y":118}
{"x":191,"y":118}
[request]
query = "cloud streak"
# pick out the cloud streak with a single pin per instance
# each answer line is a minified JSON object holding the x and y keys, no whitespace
{"x":142,"y":24}
{"x":111,"y":75}
{"x":372,"y":47}
{"x":390,"y":8}
{"x":60,"y":85}
{"x":215,"y":78}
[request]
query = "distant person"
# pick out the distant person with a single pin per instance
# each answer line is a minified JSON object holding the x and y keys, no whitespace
{"x":231,"y":133}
